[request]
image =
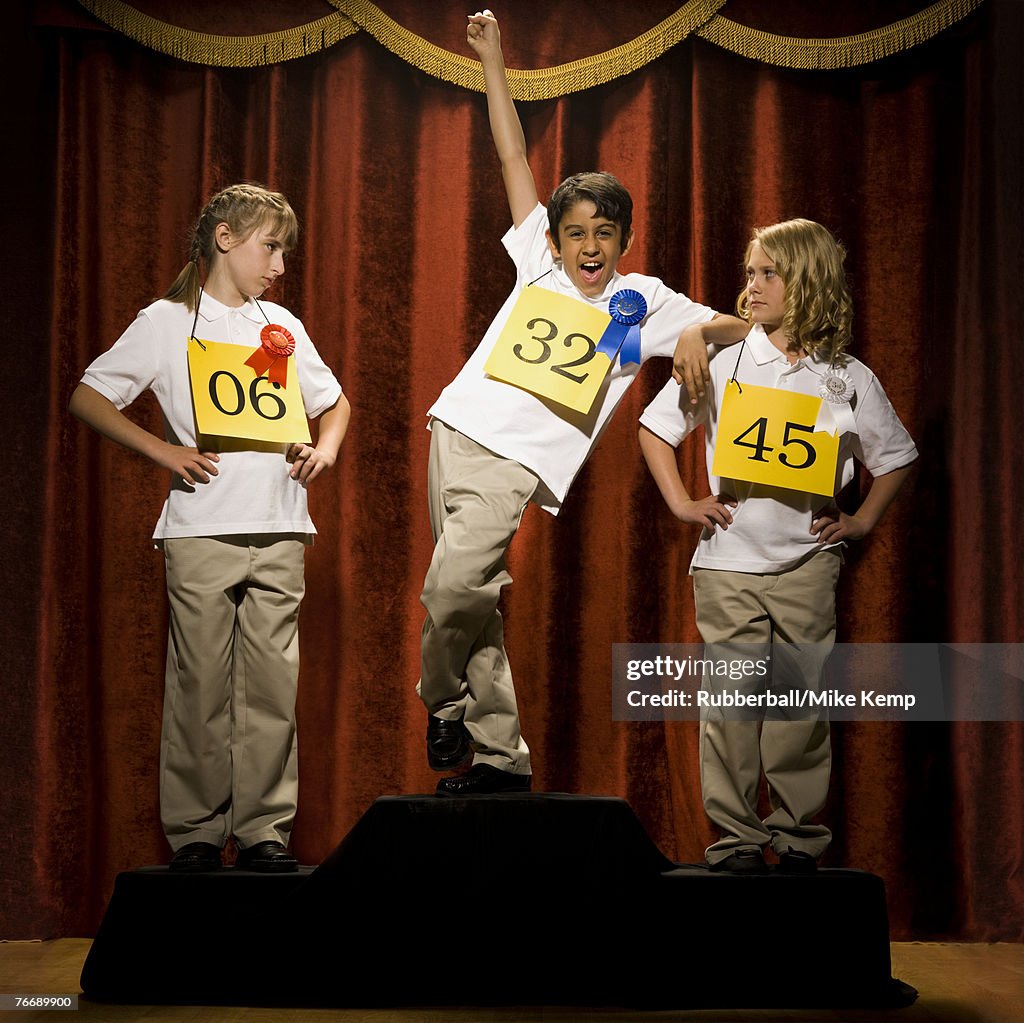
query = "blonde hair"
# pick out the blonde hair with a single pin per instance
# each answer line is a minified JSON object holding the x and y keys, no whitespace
{"x":244,"y":208}
{"x":818,"y":312}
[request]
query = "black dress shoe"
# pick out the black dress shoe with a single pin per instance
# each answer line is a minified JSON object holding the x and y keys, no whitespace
{"x":483,"y":779}
{"x":196,"y":857}
{"x":447,"y":743}
{"x":267,"y":858}
{"x":793,"y":861}
{"x":743,"y":861}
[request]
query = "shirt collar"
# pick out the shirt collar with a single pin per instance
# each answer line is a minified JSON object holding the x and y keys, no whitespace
{"x":566,"y":286}
{"x":210,"y":309}
{"x":764,"y":352}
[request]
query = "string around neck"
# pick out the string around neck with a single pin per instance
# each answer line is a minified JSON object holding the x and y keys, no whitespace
{"x":737,"y":366}
{"x":257,"y":301}
{"x":195,"y":320}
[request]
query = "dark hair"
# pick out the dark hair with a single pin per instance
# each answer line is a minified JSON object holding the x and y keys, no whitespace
{"x":604,"y":190}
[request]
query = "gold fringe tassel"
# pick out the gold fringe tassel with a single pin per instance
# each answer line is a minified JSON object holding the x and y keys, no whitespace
{"x":221,"y":51}
{"x":698,"y":17}
{"x":542,"y":83}
{"x":842,"y":52}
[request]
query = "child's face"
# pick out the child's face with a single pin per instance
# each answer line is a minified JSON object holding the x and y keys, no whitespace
{"x":246,"y":267}
{"x":589,"y":246}
{"x":766,"y":291}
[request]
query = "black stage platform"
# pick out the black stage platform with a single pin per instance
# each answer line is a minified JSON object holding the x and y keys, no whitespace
{"x":530,"y":899}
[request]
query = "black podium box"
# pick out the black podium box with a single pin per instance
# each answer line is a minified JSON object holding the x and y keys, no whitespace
{"x":526,"y":899}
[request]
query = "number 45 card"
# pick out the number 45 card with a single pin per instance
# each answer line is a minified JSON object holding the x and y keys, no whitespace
{"x":766,"y":435}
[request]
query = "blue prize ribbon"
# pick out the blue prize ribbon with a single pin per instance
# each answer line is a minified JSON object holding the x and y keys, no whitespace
{"x":622,"y":336}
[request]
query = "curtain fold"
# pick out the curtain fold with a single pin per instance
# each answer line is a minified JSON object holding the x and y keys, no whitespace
{"x":399,"y":270}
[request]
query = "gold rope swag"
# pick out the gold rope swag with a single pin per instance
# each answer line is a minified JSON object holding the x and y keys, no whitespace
{"x":542,"y":83}
{"x":695,"y":17}
{"x":842,"y":52}
{"x":221,"y":51}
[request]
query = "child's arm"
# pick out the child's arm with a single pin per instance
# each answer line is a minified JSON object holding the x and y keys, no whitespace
{"x":690,"y":360}
{"x":99,"y":412}
{"x":506,"y":130}
{"x":661,"y":460}
{"x":309,"y":461}
{"x":840,"y":526}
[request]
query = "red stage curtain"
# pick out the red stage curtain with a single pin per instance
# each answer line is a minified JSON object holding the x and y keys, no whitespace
{"x":913,"y":162}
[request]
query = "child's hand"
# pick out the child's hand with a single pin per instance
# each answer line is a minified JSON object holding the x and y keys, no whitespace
{"x":708,"y":512}
{"x":191,"y":464}
{"x":832,"y":526}
{"x":482,"y":34}
{"x":307,"y":462}
{"x":690,"y":363}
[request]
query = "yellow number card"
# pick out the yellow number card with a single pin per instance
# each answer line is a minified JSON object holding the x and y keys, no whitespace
{"x":550,"y":347}
{"x":766,"y":435}
{"x":230,"y":400}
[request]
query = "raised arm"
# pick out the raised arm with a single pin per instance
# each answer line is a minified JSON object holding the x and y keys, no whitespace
{"x":483,"y":36}
{"x":99,"y":412}
{"x":660,"y":457}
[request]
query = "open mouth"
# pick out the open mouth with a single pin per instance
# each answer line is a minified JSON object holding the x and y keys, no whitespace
{"x":591,"y":272}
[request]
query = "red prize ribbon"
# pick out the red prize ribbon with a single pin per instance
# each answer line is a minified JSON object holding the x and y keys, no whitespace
{"x":276,"y":345}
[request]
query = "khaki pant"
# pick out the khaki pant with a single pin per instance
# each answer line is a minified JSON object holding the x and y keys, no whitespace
{"x":790,"y":618}
{"x":476,"y":501}
{"x":228,"y":752}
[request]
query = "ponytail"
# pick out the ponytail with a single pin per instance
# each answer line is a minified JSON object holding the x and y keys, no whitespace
{"x":185,"y":287}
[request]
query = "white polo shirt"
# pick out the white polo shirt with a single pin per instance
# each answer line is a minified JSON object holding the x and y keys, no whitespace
{"x":252,"y":492}
{"x":771,"y":526}
{"x":550,"y":440}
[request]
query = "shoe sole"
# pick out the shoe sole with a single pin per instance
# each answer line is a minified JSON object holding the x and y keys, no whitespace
{"x":756,"y":867}
{"x":448,"y":763}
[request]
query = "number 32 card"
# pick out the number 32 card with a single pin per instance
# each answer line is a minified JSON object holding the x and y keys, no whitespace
{"x":549,"y":346}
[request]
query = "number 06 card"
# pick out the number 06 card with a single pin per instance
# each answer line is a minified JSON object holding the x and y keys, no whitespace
{"x":230,"y":400}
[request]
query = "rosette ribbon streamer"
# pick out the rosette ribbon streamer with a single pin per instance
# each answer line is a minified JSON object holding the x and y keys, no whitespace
{"x":836,"y":391}
{"x":276,"y":344}
{"x":626,"y":308}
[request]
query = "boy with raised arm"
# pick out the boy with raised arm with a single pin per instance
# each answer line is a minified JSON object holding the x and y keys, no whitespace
{"x":520,"y":419}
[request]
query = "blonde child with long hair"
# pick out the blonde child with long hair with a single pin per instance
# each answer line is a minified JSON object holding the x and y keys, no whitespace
{"x":767,"y":563}
{"x":233,"y":531}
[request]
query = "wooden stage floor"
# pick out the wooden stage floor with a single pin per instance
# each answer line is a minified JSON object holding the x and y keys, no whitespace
{"x":957,"y":983}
